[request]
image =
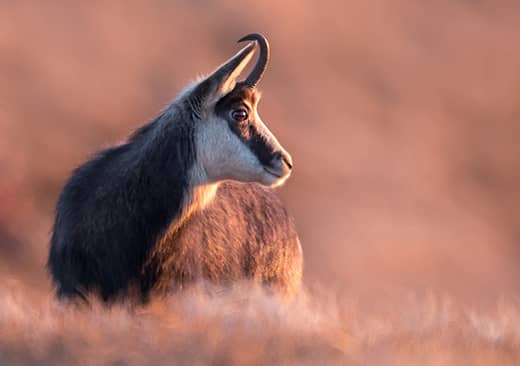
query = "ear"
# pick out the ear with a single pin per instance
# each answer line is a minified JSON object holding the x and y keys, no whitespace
{"x":211,"y":89}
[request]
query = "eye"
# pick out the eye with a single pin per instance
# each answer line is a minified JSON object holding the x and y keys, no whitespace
{"x":239,"y":115}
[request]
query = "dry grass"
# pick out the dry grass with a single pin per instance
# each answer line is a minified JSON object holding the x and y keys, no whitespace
{"x":248,"y":327}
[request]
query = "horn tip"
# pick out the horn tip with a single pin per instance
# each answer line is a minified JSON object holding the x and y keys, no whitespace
{"x":253,"y":37}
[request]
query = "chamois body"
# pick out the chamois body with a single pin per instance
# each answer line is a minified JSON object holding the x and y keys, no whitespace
{"x":181,"y":201}
{"x":257,"y":241}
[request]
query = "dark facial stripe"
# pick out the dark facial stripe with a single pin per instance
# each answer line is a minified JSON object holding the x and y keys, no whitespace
{"x":256,"y":142}
{"x":248,"y":131}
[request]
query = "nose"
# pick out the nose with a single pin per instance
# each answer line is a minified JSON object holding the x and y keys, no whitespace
{"x":284,"y":158}
{"x":280,"y":165}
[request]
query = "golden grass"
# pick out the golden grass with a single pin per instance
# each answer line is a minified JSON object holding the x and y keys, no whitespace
{"x":246,"y":326}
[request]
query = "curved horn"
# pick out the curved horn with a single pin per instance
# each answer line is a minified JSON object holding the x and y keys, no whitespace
{"x":263,"y":58}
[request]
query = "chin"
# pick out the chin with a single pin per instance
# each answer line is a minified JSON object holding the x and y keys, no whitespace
{"x":271,"y":180}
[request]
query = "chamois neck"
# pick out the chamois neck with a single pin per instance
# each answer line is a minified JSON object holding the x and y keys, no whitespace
{"x":195,"y":199}
{"x":175,"y":183}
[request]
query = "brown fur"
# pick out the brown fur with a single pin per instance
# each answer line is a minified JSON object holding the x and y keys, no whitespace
{"x":244,"y":233}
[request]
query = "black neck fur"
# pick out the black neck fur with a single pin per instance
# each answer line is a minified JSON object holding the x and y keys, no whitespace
{"x":115,"y":207}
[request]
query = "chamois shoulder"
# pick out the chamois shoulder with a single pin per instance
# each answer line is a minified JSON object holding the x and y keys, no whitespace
{"x":248,"y":212}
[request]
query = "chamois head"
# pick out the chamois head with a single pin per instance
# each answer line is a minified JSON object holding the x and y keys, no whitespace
{"x":231,"y":140}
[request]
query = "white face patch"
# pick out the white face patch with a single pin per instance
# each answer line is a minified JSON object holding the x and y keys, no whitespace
{"x":223,"y":155}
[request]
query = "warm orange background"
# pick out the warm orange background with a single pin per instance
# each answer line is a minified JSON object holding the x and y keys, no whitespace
{"x":402,"y":118}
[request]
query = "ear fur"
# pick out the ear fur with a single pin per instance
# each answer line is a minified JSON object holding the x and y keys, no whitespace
{"x":219,"y":83}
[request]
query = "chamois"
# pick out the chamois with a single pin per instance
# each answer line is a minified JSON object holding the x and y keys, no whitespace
{"x":187,"y":197}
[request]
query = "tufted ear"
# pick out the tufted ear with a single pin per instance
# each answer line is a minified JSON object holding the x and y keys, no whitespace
{"x":219,"y":83}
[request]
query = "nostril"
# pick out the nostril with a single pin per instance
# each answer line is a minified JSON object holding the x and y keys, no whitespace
{"x":284,"y":158}
{"x":287,"y":160}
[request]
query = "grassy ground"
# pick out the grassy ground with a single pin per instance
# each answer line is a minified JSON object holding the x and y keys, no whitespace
{"x":247,"y":327}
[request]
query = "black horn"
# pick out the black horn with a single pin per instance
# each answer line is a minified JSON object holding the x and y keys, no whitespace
{"x":263,"y":58}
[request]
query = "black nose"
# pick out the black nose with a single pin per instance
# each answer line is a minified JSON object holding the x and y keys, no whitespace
{"x":284,"y":158}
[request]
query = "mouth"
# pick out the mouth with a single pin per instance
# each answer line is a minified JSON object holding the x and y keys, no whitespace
{"x":273,"y":172}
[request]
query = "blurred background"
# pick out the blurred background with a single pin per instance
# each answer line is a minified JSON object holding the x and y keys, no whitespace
{"x":402,"y":118}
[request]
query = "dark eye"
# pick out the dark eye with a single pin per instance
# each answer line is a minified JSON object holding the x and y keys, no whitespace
{"x":239,"y":115}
